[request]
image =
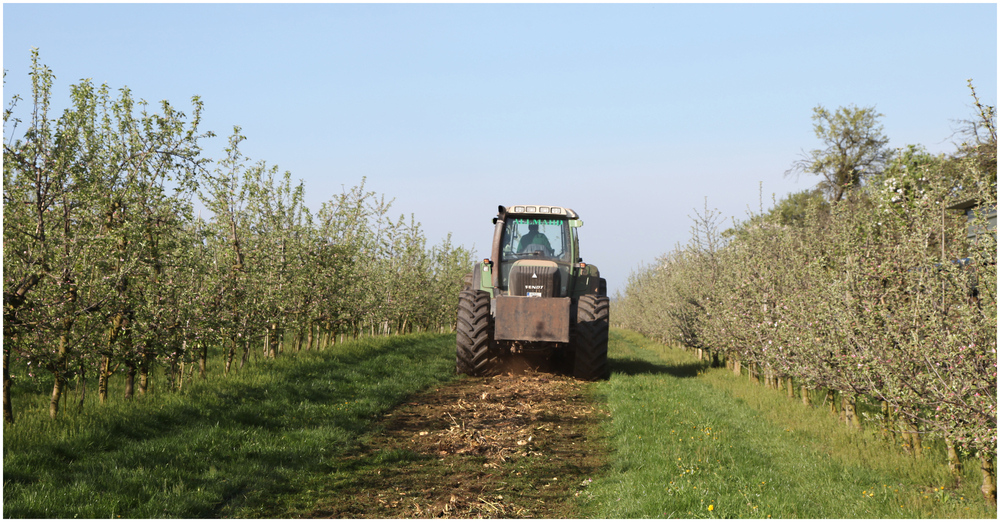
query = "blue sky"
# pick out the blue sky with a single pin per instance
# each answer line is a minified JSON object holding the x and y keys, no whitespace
{"x":630,"y":114}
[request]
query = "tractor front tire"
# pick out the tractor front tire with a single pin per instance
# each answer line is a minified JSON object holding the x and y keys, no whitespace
{"x":590,"y":360}
{"x":474,"y":354}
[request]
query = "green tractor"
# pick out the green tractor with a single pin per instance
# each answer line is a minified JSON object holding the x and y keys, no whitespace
{"x":534,"y":295}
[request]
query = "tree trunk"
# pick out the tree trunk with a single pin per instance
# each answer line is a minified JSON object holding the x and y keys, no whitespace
{"x":8,"y":410}
{"x":805,"y":395}
{"x":887,"y":430}
{"x":911,"y":439}
{"x":918,"y":447}
{"x":954,"y":463}
{"x":66,"y":394}
{"x":129,"y":381}
{"x":60,"y":376}
{"x":246,"y":353}
{"x":230,"y":354}
{"x":850,"y":411}
{"x":143,"y":376}
{"x":171,"y":374}
{"x":830,"y":400}
{"x":989,"y":477}
{"x":203,"y":360}
{"x":736,"y":367}
{"x":791,"y":388}
{"x":274,"y":341}
{"x":103,"y":376}
{"x":81,"y":385}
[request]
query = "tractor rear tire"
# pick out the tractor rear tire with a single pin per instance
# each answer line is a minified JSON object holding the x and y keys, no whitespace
{"x":474,"y":353}
{"x":590,"y":339}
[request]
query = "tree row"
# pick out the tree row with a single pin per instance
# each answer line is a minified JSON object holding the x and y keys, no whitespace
{"x":873,"y":287}
{"x":109,"y":270}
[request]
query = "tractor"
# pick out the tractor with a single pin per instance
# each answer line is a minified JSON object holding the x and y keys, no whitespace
{"x":534,"y":296}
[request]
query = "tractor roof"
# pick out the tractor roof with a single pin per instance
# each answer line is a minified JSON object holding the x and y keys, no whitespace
{"x":542,"y":210}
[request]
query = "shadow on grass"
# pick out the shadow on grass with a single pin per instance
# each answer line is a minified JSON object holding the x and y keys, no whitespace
{"x":642,"y":367}
{"x":237,"y":442}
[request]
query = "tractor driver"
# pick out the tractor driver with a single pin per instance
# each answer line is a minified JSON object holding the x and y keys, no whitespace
{"x":533,"y":237}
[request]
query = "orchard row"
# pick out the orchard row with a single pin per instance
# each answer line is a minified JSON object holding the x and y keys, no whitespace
{"x":887,"y":294}
{"x":109,"y":269}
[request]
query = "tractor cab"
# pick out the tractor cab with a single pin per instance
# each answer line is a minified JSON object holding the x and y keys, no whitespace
{"x":541,"y":245}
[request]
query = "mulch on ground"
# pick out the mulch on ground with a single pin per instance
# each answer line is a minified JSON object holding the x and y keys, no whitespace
{"x":517,"y":445}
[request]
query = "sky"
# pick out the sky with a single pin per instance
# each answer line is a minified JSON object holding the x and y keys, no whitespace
{"x":636,"y":116}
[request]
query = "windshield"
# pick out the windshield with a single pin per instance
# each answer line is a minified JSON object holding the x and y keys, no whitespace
{"x":535,"y":238}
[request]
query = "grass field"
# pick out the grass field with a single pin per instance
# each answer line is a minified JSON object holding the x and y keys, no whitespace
{"x":693,"y":442}
{"x":243,"y":446}
{"x":270,"y":441}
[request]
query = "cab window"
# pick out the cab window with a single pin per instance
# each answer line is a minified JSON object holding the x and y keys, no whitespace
{"x":536,"y":237}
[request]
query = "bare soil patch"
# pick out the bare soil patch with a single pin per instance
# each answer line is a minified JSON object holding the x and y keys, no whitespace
{"x":518,"y":445}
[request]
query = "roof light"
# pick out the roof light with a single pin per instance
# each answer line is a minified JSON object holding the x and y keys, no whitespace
{"x":538,"y":209}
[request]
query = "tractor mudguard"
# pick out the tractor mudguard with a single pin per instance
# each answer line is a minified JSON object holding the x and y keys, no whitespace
{"x":588,"y":281}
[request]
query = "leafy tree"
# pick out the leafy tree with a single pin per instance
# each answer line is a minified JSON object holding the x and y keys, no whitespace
{"x":85,"y":210}
{"x":980,"y":133}
{"x":855,"y":149}
{"x":794,"y":209}
{"x":227,"y":299}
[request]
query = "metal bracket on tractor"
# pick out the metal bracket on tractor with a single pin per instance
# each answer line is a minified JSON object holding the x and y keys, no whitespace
{"x":532,"y":319}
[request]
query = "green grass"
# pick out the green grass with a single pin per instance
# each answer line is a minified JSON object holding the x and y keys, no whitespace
{"x":271,"y":440}
{"x":243,"y":446}
{"x":693,"y":442}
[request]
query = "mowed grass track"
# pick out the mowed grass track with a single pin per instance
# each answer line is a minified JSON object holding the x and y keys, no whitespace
{"x":681,"y":441}
{"x":244,"y":446}
{"x":693,"y":442}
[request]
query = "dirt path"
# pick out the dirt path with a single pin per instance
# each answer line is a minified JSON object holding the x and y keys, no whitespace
{"x":508,"y":446}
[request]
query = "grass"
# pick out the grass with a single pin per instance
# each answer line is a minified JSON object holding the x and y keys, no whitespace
{"x":245,"y":446}
{"x":694,"y":442}
{"x":280,"y":437}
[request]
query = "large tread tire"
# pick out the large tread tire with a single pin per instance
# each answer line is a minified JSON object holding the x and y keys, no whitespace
{"x":590,"y":338}
{"x":474,"y":353}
